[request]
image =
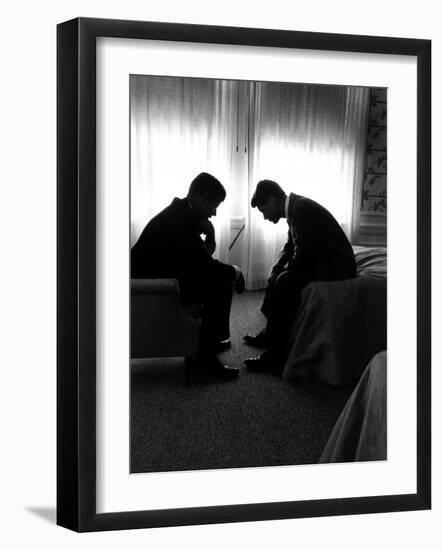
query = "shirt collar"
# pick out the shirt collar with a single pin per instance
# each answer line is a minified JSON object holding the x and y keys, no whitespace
{"x":286,"y":207}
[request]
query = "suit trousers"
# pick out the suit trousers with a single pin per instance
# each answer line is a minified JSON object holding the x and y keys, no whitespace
{"x":217,"y":294}
{"x":283,"y":296}
{"x":281,"y":303}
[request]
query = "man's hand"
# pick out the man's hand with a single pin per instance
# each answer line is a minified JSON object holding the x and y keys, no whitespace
{"x":276,"y":270}
{"x":210,"y":245}
{"x":240,"y":284}
{"x":239,"y":280}
{"x":208,"y":231}
{"x":206,"y":228}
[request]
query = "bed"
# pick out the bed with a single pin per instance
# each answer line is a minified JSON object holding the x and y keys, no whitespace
{"x":341,"y":325}
{"x":360,"y":432}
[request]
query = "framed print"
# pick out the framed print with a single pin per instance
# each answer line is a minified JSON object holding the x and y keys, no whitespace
{"x":193,"y":387}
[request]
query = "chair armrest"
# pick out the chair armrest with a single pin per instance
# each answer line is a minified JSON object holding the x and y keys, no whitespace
{"x":160,"y":325}
{"x":154,"y":286}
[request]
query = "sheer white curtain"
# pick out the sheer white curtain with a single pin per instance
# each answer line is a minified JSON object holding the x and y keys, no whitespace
{"x":179,"y":128}
{"x":311,"y":140}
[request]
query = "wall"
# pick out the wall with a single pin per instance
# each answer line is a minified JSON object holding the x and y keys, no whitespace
{"x":28,"y":276}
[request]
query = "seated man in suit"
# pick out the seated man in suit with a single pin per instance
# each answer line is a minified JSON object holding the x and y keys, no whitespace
{"x":317,"y":249}
{"x":171,"y":246}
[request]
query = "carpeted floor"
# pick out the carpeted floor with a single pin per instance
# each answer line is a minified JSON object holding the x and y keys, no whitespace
{"x":255,"y":420}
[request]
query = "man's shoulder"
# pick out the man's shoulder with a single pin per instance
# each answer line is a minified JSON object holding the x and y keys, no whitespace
{"x":167,"y":217}
{"x":301,"y":200}
{"x":303,"y":210}
{"x":298,"y":203}
{"x":176,"y":204}
{"x":301,"y":203}
{"x":176,"y":208}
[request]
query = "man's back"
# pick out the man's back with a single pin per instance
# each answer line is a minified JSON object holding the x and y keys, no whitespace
{"x":318,"y":236}
{"x":162,"y":246}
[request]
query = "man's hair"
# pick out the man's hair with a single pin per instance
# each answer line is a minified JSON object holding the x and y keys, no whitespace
{"x":264,"y":190}
{"x":206,"y":184}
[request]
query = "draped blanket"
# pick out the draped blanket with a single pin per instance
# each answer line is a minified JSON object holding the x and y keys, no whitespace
{"x":360,"y":432}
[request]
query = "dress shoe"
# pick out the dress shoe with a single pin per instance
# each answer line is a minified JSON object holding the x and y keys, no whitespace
{"x":265,"y":362}
{"x":257,"y":341}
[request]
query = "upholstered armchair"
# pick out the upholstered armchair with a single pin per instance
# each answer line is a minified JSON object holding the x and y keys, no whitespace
{"x":160,"y":325}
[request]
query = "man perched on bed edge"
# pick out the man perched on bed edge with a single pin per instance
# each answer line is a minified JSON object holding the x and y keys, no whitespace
{"x":317,"y":249}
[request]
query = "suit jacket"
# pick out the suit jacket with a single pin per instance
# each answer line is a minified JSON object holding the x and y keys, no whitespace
{"x":316,"y":246}
{"x":171,"y":246}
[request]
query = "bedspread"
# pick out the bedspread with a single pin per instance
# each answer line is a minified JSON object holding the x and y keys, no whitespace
{"x":360,"y":432}
{"x":340,"y":325}
{"x":371,"y":261}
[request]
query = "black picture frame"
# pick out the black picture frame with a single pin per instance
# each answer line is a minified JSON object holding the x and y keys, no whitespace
{"x":76,"y":274}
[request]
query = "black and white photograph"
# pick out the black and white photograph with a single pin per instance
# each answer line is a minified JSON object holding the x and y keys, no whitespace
{"x":258,"y":273}
{"x":221,"y":295}
{"x":243,"y":274}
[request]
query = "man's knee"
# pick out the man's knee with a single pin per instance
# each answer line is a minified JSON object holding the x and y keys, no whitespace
{"x":288,"y":283}
{"x":286,"y":279}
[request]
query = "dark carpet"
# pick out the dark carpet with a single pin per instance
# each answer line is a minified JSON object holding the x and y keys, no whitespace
{"x":255,"y":420}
